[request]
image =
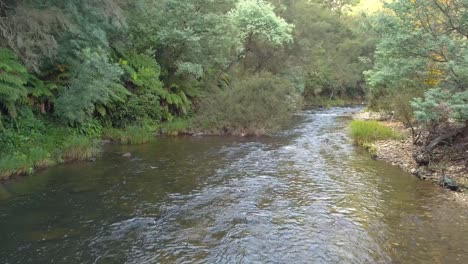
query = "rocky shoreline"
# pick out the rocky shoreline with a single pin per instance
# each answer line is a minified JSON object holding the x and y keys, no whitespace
{"x":400,"y":153}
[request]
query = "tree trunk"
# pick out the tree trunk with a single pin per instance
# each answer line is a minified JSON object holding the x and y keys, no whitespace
{"x":43,"y":109}
{"x":465,"y":130}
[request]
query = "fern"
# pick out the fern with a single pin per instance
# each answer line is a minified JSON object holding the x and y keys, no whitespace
{"x":13,"y":78}
{"x":143,"y":72}
{"x":95,"y":81}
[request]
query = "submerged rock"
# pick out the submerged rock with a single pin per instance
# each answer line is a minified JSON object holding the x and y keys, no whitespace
{"x":127,"y":155}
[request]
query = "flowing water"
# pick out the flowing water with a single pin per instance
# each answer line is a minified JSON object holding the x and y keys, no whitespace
{"x":304,"y":195}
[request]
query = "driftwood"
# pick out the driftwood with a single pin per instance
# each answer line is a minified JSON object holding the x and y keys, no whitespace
{"x":423,"y":155}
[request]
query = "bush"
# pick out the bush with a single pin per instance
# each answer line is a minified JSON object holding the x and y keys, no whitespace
{"x":365,"y":132}
{"x":129,"y":135}
{"x":80,"y":148}
{"x":257,"y":105}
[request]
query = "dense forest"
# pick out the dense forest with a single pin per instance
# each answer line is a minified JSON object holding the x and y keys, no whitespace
{"x":73,"y":73}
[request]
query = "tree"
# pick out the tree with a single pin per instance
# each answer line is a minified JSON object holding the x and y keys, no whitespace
{"x":329,"y":50}
{"x":191,"y":38}
{"x":423,"y":47}
{"x":339,"y":6}
{"x":259,"y":29}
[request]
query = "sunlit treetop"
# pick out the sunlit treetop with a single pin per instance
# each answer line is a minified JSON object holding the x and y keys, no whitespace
{"x":257,"y":18}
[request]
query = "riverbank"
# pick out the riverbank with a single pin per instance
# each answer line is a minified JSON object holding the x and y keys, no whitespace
{"x":24,"y":154}
{"x":399,"y":152}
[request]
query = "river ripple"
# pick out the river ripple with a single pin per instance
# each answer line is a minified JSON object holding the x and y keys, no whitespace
{"x":304,"y":195}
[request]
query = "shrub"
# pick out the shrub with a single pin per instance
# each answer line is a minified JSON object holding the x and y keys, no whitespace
{"x":439,"y":108}
{"x":257,"y":105}
{"x":129,"y":135}
{"x":80,"y":148}
{"x":365,"y":132}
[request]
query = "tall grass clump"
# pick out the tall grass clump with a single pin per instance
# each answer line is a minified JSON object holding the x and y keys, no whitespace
{"x":80,"y":148}
{"x":128,"y":136}
{"x":256,"y":105}
{"x":176,"y":127}
{"x":365,"y":132}
{"x":15,"y":164}
{"x":25,"y":163}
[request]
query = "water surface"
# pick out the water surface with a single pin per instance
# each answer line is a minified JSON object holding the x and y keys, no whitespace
{"x":304,"y":195}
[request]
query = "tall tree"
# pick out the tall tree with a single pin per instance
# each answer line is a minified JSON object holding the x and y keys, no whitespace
{"x":423,"y":46}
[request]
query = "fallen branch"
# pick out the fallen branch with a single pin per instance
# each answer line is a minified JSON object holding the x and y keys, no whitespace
{"x":423,"y":156}
{"x":434,"y":143}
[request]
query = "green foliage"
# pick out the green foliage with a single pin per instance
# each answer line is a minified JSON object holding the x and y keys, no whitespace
{"x":256,"y":105}
{"x":194,"y":38}
{"x":91,"y":128}
{"x":256,"y":18}
{"x":142,"y":70}
{"x":80,"y":148}
{"x":151,"y":101}
{"x":13,"y":78}
{"x":439,"y":106}
{"x":332,"y":51}
{"x":422,"y":50}
{"x":15,"y":165}
{"x":176,"y":127}
{"x":119,"y":69}
{"x":94,"y":87}
{"x":29,"y":145}
{"x":130,"y":135}
{"x":42,"y":92}
{"x":365,"y":132}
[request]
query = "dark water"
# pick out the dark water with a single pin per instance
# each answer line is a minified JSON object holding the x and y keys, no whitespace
{"x":305,"y":195}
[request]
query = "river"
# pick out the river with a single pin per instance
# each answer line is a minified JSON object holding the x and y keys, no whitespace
{"x":303,"y":195}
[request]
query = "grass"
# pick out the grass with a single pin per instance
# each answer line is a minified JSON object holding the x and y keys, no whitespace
{"x":24,"y":153}
{"x":176,"y":127}
{"x":15,"y":164}
{"x":45,"y":150}
{"x":128,"y":136}
{"x":80,"y":148}
{"x":367,"y":132}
